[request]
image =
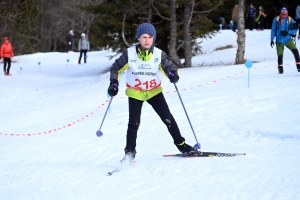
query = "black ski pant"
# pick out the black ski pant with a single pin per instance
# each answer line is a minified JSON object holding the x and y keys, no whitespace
{"x":261,"y":24}
{"x":6,"y":61}
{"x":251,"y":23}
{"x":70,"y":46}
{"x":160,"y":106}
{"x":82,"y":51}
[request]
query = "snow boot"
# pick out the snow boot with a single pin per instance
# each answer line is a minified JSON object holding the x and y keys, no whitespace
{"x":280,"y":69}
{"x":129,"y":155}
{"x":186,"y":149}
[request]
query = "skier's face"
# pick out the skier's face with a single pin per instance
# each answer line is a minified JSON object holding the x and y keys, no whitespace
{"x":146,"y":41}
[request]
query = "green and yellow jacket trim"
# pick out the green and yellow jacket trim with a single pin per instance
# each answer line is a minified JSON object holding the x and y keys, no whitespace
{"x":121,"y":64}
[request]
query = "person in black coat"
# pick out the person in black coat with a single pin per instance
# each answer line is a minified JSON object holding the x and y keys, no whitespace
{"x":69,"y":40}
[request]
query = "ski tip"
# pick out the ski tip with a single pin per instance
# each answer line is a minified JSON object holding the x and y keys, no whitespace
{"x":113,"y":172}
{"x":170,"y":155}
{"x":109,"y":174}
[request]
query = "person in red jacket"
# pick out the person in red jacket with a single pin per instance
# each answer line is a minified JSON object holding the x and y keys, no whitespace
{"x":6,"y":53}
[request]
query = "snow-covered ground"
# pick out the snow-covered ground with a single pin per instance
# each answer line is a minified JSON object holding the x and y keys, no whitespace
{"x":51,"y":109}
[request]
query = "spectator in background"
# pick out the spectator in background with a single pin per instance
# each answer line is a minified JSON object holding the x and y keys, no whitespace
{"x":223,"y":22}
{"x":235,"y":17}
{"x":250,"y":15}
{"x":260,"y":19}
{"x":69,"y":39}
{"x":6,"y":53}
{"x":297,"y":18}
{"x":230,"y":25}
{"x":83,"y":47}
{"x":283,"y":30}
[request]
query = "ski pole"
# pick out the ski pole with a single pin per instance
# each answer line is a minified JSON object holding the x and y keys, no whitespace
{"x":197,"y":146}
{"x":99,"y":133}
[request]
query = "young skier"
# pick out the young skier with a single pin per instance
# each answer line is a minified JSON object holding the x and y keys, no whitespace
{"x":143,"y":62}
{"x":6,"y":53}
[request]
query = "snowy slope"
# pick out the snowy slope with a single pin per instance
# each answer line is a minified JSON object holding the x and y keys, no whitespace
{"x":50,"y":113}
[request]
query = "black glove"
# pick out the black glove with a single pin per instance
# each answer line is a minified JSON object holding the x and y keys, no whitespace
{"x":173,"y":76}
{"x":284,"y":33}
{"x":272,"y":44}
{"x":113,"y":87}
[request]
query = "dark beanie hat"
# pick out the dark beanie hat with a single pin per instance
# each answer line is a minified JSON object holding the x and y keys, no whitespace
{"x":146,"y":28}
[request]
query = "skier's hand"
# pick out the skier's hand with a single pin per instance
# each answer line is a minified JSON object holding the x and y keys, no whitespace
{"x":173,"y":76}
{"x":284,"y":33}
{"x":113,"y":88}
{"x":272,"y":44}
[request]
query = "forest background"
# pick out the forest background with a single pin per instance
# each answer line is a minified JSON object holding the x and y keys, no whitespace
{"x":42,"y":26}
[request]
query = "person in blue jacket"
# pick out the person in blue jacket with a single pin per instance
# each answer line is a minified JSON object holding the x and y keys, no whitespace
{"x":284,"y":28}
{"x":297,"y":18}
{"x":251,"y":12}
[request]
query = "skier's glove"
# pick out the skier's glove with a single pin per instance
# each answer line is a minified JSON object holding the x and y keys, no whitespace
{"x":272,"y":44}
{"x":113,"y":87}
{"x":173,"y":76}
{"x":284,"y":33}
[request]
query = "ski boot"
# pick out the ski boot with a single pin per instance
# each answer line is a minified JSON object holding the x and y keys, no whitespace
{"x":186,"y":149}
{"x":280,"y":69}
{"x":129,"y":155}
{"x":298,"y":66}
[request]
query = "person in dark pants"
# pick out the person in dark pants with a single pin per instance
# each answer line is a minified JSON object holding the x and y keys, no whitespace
{"x":69,"y":39}
{"x":297,"y":18}
{"x":260,"y":19}
{"x":251,"y":15}
{"x":83,"y":47}
{"x":143,"y":62}
{"x":283,"y":28}
{"x":6,"y":53}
